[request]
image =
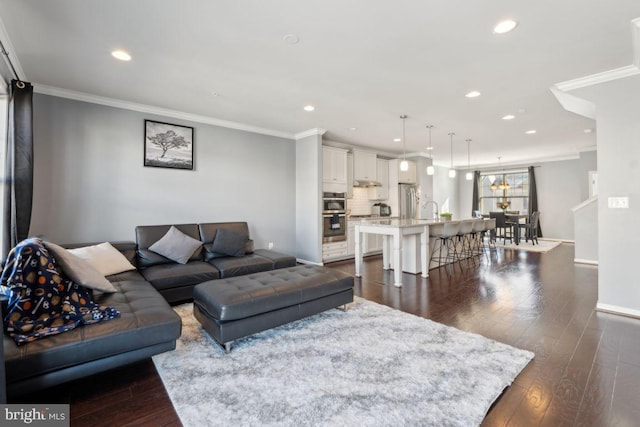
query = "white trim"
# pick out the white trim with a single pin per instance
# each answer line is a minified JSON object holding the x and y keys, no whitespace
{"x":585,"y":261}
{"x":8,"y":46}
{"x":594,"y":79}
{"x":585,"y":203}
{"x":310,"y":132}
{"x":149,"y":109}
{"x":615,"y":309}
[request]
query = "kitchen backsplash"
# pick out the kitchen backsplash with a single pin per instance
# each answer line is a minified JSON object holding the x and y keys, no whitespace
{"x":360,"y":203}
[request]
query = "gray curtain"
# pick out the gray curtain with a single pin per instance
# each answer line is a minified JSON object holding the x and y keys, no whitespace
{"x":18,"y":179}
{"x":533,"y":196}
{"x":475,"y":201}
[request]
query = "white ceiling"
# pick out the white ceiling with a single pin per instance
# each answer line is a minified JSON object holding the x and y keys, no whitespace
{"x":361,"y":63}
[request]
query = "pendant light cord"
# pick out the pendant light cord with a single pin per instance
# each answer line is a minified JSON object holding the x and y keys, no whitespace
{"x":404,"y":138}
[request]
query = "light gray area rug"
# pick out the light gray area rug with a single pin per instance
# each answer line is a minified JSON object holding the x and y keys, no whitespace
{"x":368,"y":366}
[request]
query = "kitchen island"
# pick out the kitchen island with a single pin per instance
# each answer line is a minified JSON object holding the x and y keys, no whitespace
{"x":394,"y":230}
{"x":405,"y":243}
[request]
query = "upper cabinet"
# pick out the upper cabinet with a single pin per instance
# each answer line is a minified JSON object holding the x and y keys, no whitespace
{"x":364,"y":165}
{"x":382,"y":176}
{"x":409,"y":176}
{"x":334,"y":169}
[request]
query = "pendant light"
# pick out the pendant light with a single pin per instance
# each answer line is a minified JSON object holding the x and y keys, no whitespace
{"x":430,"y":169}
{"x":404,"y":165}
{"x":469,"y":175}
{"x":452,"y":171}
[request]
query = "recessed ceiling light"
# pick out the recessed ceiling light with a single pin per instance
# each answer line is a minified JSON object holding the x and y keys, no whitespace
{"x":397,"y":140}
{"x":429,"y":148}
{"x":309,"y":108}
{"x":121,"y":55}
{"x":291,"y":39}
{"x":353,"y":129}
{"x":531,"y":132}
{"x":215,"y":94}
{"x":588,"y":130}
{"x":508,"y":117}
{"x":473,"y":94}
{"x":505,"y":26}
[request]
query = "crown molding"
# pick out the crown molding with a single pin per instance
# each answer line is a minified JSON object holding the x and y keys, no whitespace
{"x":310,"y":132}
{"x":598,"y":78}
{"x":149,"y":109}
{"x":11,"y":53}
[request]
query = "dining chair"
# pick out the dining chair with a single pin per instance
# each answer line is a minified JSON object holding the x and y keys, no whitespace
{"x":531,"y":228}
{"x":503,"y":230}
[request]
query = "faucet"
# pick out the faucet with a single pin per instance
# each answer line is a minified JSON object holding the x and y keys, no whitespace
{"x":435,"y":216}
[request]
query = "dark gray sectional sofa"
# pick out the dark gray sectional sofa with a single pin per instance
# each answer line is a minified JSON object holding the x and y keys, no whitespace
{"x":147,"y":324}
{"x":176,"y":281}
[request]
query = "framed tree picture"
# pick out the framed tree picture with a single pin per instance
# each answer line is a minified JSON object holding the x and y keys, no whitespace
{"x":167,"y":145}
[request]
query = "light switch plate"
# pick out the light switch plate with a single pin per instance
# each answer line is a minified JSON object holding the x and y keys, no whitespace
{"x":618,"y":202}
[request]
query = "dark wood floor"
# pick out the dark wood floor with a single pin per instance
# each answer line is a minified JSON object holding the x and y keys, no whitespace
{"x":586,"y":370}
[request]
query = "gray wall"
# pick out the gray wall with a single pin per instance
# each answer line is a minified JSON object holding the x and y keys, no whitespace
{"x":91,"y":185}
{"x":618,"y":123}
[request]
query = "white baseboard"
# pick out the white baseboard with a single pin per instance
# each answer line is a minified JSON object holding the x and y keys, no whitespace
{"x":304,"y":261}
{"x":585,"y":261}
{"x":624,"y":311}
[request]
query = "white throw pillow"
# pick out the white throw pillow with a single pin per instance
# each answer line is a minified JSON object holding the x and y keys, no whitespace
{"x":176,"y":246}
{"x":104,"y":258}
{"x":79,"y":270}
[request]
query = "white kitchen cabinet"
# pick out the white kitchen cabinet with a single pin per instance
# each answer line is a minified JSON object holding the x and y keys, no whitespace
{"x":351,"y":238}
{"x":364,"y":165}
{"x":349,"y":176}
{"x":334,"y":169}
{"x":334,"y":250}
{"x":374,"y":243}
{"x":409,"y":176}
{"x":382,"y":176}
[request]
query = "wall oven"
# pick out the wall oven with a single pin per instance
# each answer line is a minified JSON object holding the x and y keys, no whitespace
{"x":334,"y":227}
{"x":334,"y":217}
{"x":334,"y":203}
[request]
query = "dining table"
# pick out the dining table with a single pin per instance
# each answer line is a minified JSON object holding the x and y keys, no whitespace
{"x":514,"y":220}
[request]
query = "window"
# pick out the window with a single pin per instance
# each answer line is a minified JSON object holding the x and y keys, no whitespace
{"x":504,"y":191}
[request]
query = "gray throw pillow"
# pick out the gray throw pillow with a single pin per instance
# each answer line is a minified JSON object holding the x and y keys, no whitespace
{"x":79,"y":270}
{"x":229,"y":243}
{"x":176,"y":246}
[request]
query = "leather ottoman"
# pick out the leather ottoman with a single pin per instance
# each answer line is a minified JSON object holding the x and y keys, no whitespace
{"x":236,"y":307}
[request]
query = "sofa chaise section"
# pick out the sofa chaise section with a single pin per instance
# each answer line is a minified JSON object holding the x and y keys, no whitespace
{"x":147,"y":326}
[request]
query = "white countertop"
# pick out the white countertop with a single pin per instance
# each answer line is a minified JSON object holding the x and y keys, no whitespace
{"x":403,"y":223}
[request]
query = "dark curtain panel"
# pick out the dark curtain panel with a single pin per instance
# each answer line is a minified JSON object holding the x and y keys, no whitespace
{"x":475,"y":201}
{"x":533,"y":196}
{"x":18,"y":179}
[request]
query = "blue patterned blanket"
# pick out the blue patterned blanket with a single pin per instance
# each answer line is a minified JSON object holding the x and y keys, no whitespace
{"x":42,"y":301}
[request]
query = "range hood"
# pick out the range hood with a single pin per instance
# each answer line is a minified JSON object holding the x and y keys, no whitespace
{"x":366,"y":183}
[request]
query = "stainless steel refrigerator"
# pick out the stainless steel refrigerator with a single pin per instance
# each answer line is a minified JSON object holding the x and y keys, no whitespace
{"x":408,"y":201}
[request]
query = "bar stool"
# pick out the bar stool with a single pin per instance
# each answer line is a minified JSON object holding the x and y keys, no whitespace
{"x":477,"y":234}
{"x":464,"y":231}
{"x":490,"y":226}
{"x":444,"y":238}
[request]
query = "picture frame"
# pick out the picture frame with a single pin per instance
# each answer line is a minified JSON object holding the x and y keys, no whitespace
{"x":168,"y":145}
